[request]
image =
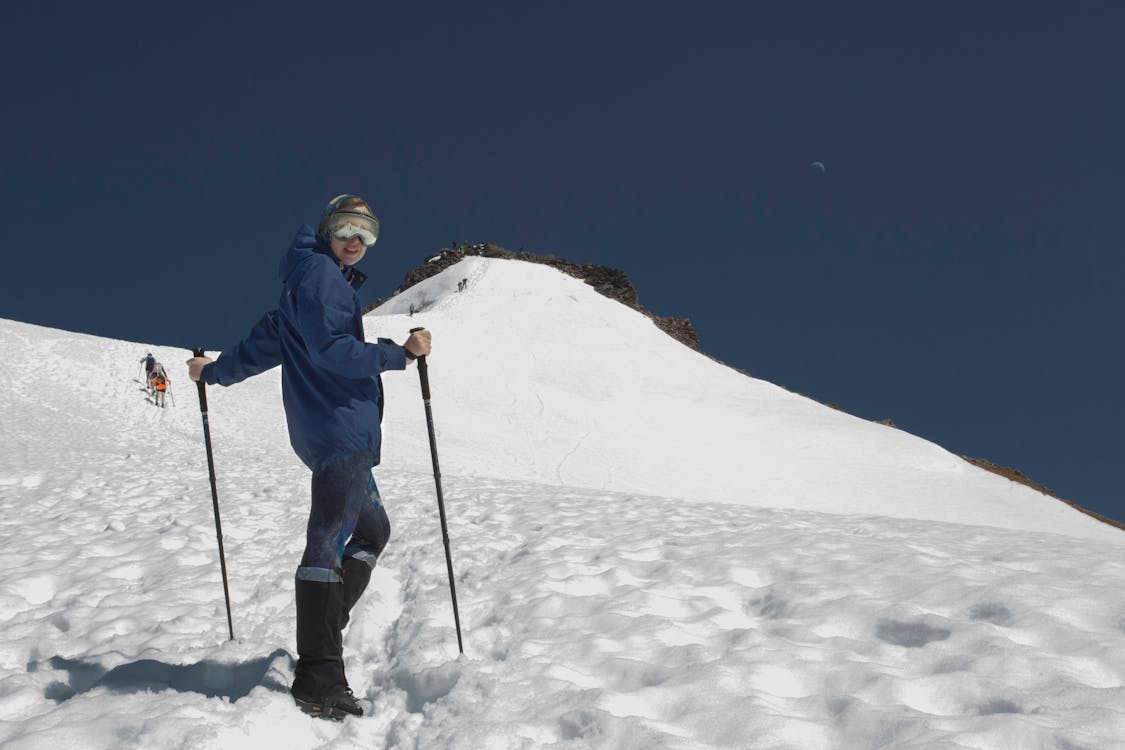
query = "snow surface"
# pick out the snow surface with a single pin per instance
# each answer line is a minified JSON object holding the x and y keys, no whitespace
{"x":652,"y":551}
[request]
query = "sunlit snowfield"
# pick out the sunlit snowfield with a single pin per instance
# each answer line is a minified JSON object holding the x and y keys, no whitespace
{"x":652,"y":551}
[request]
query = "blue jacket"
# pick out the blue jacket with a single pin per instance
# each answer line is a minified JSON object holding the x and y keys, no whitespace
{"x":330,"y":380}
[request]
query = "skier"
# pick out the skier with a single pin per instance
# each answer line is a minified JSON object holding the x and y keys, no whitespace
{"x":333,"y":396}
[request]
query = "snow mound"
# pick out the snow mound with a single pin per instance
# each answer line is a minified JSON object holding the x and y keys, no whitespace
{"x":537,"y":377}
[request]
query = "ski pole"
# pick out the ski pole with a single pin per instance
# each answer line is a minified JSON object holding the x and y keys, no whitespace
{"x":423,"y":375}
{"x":198,"y":352}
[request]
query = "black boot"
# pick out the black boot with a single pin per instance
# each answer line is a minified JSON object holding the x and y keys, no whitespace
{"x":319,"y":686}
{"x":357,"y":574}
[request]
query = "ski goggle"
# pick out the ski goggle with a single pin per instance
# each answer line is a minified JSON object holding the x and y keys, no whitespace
{"x":343,"y":225}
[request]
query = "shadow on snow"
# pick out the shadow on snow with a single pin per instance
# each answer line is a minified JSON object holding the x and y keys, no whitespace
{"x":210,"y":678}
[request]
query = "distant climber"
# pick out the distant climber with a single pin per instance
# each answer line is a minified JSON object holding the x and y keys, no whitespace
{"x":148,"y":360}
{"x":157,"y":370}
{"x":160,"y":383}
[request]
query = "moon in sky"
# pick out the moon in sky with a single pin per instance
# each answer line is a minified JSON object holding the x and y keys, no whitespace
{"x":819,"y":167}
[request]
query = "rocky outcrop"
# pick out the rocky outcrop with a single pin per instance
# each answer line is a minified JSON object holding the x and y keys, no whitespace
{"x":680,"y":329}
{"x":609,"y":282}
{"x":1018,"y":476}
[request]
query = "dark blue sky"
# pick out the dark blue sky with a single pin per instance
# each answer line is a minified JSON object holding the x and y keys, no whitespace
{"x":959,"y":268}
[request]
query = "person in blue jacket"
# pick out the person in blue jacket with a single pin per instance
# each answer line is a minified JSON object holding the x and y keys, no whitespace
{"x":332,"y":390}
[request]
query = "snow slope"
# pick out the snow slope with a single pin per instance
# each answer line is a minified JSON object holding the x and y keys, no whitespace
{"x":541,"y":378}
{"x":651,"y":551}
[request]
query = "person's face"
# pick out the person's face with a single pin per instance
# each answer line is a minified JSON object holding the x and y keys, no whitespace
{"x":350,"y":251}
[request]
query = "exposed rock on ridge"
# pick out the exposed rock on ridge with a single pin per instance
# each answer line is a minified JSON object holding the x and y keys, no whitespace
{"x":1018,"y":476}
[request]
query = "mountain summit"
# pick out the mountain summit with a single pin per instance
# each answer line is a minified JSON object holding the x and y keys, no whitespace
{"x":562,"y":385}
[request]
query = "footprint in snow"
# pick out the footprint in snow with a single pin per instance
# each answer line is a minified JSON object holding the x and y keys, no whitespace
{"x":909,"y":634}
{"x":993,"y":612}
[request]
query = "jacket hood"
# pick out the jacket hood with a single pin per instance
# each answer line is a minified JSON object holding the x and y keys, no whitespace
{"x":307,"y":244}
{"x":304,"y":245}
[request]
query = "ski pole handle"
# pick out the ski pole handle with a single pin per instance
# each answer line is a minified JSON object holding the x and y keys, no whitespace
{"x":198,"y":352}
{"x":423,"y":370}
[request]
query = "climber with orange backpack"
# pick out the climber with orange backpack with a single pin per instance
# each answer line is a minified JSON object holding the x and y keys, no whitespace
{"x":160,"y":388}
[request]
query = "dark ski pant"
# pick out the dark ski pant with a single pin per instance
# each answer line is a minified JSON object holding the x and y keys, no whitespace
{"x":346,"y":519}
{"x":347,"y":530}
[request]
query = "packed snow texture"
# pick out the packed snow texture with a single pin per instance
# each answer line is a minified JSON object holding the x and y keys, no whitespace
{"x":651,"y":551}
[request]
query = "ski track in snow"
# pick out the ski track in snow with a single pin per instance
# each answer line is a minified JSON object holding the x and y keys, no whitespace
{"x":592,"y":619}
